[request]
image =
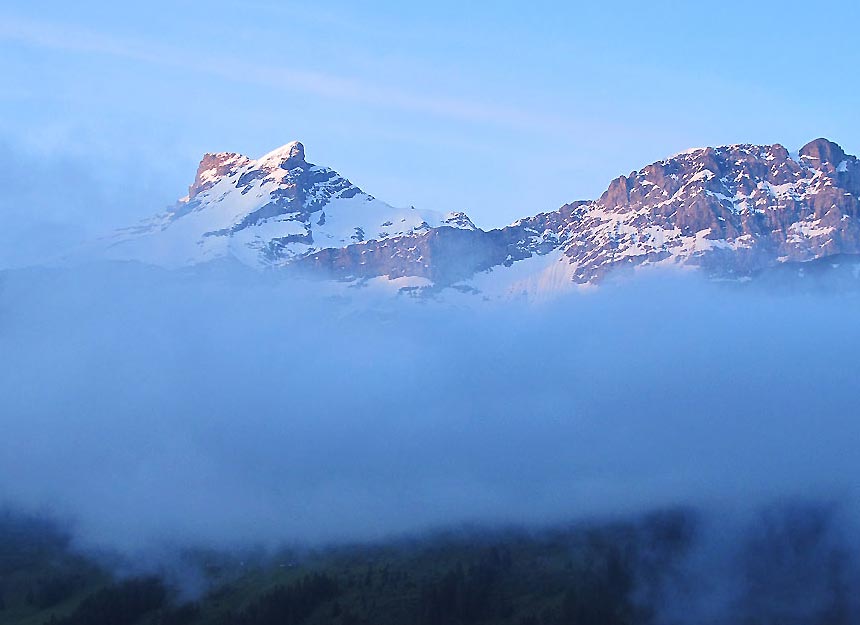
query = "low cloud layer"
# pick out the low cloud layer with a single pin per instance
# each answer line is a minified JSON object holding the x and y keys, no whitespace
{"x":162,"y":410}
{"x":52,"y":201}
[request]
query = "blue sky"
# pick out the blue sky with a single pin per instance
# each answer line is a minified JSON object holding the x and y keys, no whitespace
{"x":501,"y":109}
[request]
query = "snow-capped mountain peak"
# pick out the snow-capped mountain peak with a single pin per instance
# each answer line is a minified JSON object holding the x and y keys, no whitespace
{"x":268,"y":212}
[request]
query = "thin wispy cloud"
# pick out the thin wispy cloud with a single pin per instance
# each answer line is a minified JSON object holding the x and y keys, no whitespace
{"x":71,"y":38}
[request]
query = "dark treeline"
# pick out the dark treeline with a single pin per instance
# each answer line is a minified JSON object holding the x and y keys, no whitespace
{"x":286,"y":604}
{"x":119,"y":604}
{"x":788,"y":568}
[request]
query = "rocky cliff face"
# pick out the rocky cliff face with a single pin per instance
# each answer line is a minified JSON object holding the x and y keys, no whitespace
{"x":731,"y":211}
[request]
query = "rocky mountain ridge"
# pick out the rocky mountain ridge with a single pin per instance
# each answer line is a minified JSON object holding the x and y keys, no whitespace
{"x":730,"y":211}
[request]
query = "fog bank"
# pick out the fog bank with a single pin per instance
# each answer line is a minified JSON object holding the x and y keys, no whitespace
{"x":156,"y":409}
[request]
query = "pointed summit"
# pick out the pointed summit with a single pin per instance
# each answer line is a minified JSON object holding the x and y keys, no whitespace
{"x":823,"y":151}
{"x":286,"y":156}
